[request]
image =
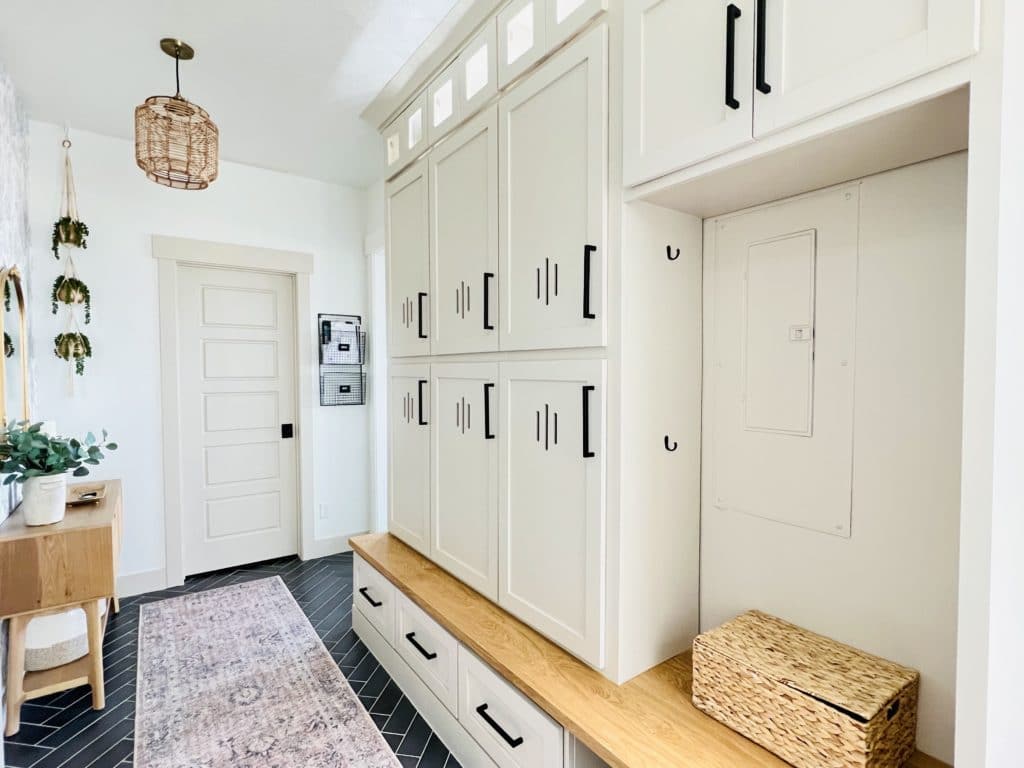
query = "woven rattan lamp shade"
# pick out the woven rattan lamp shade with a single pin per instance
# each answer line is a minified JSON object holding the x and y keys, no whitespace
{"x":176,"y":142}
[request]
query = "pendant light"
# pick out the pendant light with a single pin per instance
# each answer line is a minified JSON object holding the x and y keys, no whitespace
{"x":176,"y":142}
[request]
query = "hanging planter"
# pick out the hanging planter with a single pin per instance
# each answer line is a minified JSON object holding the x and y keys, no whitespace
{"x":75,"y":346}
{"x":70,"y":290}
{"x":68,"y":232}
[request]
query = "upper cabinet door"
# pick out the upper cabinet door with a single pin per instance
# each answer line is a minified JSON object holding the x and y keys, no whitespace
{"x":393,"y":148}
{"x":567,"y":17}
{"x":688,"y":83}
{"x":819,"y":56}
{"x":552,"y":502}
{"x":444,"y":107}
{"x":408,"y":247}
{"x":415,"y":135}
{"x":477,"y":67}
{"x":521,"y":38}
{"x":464,"y":532}
{"x":553,"y":178}
{"x":464,"y":233}
{"x":409,"y":456}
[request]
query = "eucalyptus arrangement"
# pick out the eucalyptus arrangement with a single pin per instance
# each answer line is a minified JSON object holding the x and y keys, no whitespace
{"x":70,"y":232}
{"x":70,"y":290}
{"x":73,"y":346}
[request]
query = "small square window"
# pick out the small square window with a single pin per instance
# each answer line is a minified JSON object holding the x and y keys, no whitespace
{"x":563,"y":8}
{"x":520,"y":34}
{"x":393,"y":148}
{"x":477,"y":73}
{"x":415,"y":128}
{"x":443,"y":103}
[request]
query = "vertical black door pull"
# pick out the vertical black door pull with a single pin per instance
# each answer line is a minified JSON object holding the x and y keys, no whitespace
{"x":488,"y":325}
{"x":420,"y":420}
{"x":419,"y":304}
{"x":588,"y":251}
{"x":732,"y":12}
{"x":587,"y":453}
{"x":488,"y":435}
{"x":482,"y":711}
{"x":762,"y":23}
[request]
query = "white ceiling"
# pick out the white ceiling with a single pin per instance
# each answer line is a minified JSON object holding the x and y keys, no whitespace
{"x":285,"y":81}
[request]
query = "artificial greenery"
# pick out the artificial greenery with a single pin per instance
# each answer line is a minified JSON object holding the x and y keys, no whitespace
{"x":8,"y":345}
{"x":68,"y":231}
{"x":26,"y":452}
{"x":71,"y":290}
{"x":73,"y":345}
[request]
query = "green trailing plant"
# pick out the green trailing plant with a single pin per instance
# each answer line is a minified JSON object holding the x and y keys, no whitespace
{"x":73,"y":345}
{"x":71,"y":290}
{"x":8,"y":345}
{"x":26,"y":452}
{"x":70,"y":232}
{"x":7,"y":295}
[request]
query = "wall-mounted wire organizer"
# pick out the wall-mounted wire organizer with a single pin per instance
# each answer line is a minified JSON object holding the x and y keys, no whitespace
{"x":342,"y":360}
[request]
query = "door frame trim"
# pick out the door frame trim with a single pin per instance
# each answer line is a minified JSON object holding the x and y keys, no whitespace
{"x":172,"y":253}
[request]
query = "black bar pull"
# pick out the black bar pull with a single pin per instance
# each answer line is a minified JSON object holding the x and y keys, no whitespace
{"x":419,"y":303}
{"x":488,"y":325}
{"x":482,"y":711}
{"x":587,"y":453}
{"x":420,"y":385}
{"x":762,"y":24}
{"x":411,"y":637}
{"x":732,"y":12}
{"x":365,"y":593}
{"x":588,"y":251}
{"x":671,"y":445}
{"x":287,"y":431}
{"x":488,"y":435}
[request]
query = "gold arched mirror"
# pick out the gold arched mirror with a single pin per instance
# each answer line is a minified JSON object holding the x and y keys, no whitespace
{"x":14,"y":394}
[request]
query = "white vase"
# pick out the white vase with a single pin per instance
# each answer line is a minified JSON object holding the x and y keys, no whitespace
{"x":44,"y":499}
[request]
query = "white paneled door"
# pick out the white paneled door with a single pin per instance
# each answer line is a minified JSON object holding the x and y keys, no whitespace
{"x":236,"y":333}
{"x":408,"y":254}
{"x":409,"y":454}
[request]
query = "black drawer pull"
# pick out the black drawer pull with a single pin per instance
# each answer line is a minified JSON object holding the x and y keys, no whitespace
{"x":762,"y":22}
{"x":488,"y":325}
{"x":587,"y":453}
{"x":419,"y":306}
{"x":482,"y":711}
{"x":732,"y":12}
{"x":365,"y":593}
{"x":419,"y":391}
{"x":488,"y":435}
{"x":411,"y":637}
{"x":588,"y":251}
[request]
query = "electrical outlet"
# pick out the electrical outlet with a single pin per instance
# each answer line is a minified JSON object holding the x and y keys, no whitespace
{"x":323,"y":511}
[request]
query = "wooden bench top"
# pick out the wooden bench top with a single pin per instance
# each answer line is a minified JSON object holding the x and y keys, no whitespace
{"x":649,"y":721}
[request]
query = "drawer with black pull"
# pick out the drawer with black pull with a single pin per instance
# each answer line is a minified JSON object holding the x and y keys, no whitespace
{"x":429,"y":650}
{"x":374,"y":597}
{"x":511,"y":728}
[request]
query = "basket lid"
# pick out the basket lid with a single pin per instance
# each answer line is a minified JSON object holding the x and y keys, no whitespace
{"x":839,"y":676}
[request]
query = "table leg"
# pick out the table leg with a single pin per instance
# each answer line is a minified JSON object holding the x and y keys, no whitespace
{"x":117,"y":604}
{"x":15,"y":672}
{"x":92,"y":618}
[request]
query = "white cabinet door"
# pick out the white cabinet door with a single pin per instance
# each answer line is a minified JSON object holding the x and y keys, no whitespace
{"x":392,"y":136}
{"x":409,"y":464}
{"x":521,"y":38}
{"x":414,"y":128}
{"x":688,"y":83}
{"x":553,"y":176}
{"x":444,"y":108}
{"x":552,"y":503}
{"x":464,"y":238}
{"x":478,"y":69}
{"x":464,"y":534}
{"x":819,"y":56}
{"x":408,"y":249}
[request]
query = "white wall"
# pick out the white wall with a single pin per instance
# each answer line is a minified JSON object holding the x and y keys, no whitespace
{"x":891,"y":588}
{"x":121,"y":388}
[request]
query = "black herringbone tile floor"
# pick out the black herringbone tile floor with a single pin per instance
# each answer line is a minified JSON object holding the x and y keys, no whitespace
{"x":63,"y":731}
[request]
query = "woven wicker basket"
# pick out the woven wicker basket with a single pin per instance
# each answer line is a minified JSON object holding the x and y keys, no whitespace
{"x":812,"y":701}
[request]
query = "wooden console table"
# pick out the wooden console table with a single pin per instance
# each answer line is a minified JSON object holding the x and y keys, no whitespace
{"x":50,"y":569}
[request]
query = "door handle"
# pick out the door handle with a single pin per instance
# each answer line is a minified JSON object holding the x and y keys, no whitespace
{"x":488,"y":325}
{"x":488,"y":435}
{"x":364,"y":591}
{"x":588,"y":251}
{"x":419,"y":391}
{"x":732,"y":12}
{"x":287,"y":431}
{"x":482,"y":711}
{"x":762,"y":23}
{"x":587,"y":453}
{"x":419,"y":306}
{"x":428,"y":655}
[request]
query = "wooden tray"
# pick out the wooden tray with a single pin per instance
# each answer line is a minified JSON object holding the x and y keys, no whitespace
{"x":86,"y":494}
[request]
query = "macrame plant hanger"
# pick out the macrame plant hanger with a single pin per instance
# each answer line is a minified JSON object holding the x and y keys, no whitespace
{"x":69,"y":209}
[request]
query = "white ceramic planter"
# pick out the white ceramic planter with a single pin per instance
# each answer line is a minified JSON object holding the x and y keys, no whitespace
{"x":44,"y":498}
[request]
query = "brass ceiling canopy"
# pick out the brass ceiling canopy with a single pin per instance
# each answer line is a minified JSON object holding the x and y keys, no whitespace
{"x":177,"y":49}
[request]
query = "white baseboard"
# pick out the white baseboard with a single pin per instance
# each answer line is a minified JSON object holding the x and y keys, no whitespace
{"x":129,"y":584}
{"x":333,"y":545}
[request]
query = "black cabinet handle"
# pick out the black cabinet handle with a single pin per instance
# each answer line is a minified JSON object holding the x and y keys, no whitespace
{"x":588,"y":251}
{"x":762,"y":84}
{"x":732,"y":12}
{"x":488,"y":435}
{"x":587,"y":453}
{"x":488,"y":276}
{"x":482,"y":711}
{"x":363,"y":591}
{"x":419,"y":391}
{"x":419,"y":306}
{"x":411,"y":637}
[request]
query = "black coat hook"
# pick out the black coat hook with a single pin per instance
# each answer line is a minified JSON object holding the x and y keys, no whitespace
{"x":668,"y":252}
{"x":670,"y":448}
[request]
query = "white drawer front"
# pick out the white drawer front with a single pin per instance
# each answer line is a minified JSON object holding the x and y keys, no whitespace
{"x":374,"y":597}
{"x":512,"y":729}
{"x":429,"y":650}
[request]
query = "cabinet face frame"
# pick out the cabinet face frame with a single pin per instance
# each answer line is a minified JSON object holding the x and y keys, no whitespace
{"x":479,"y":289}
{"x":589,"y":51}
{"x":408,"y":276}
{"x":410,"y":439}
{"x":516,"y":16}
{"x":482,"y":51}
